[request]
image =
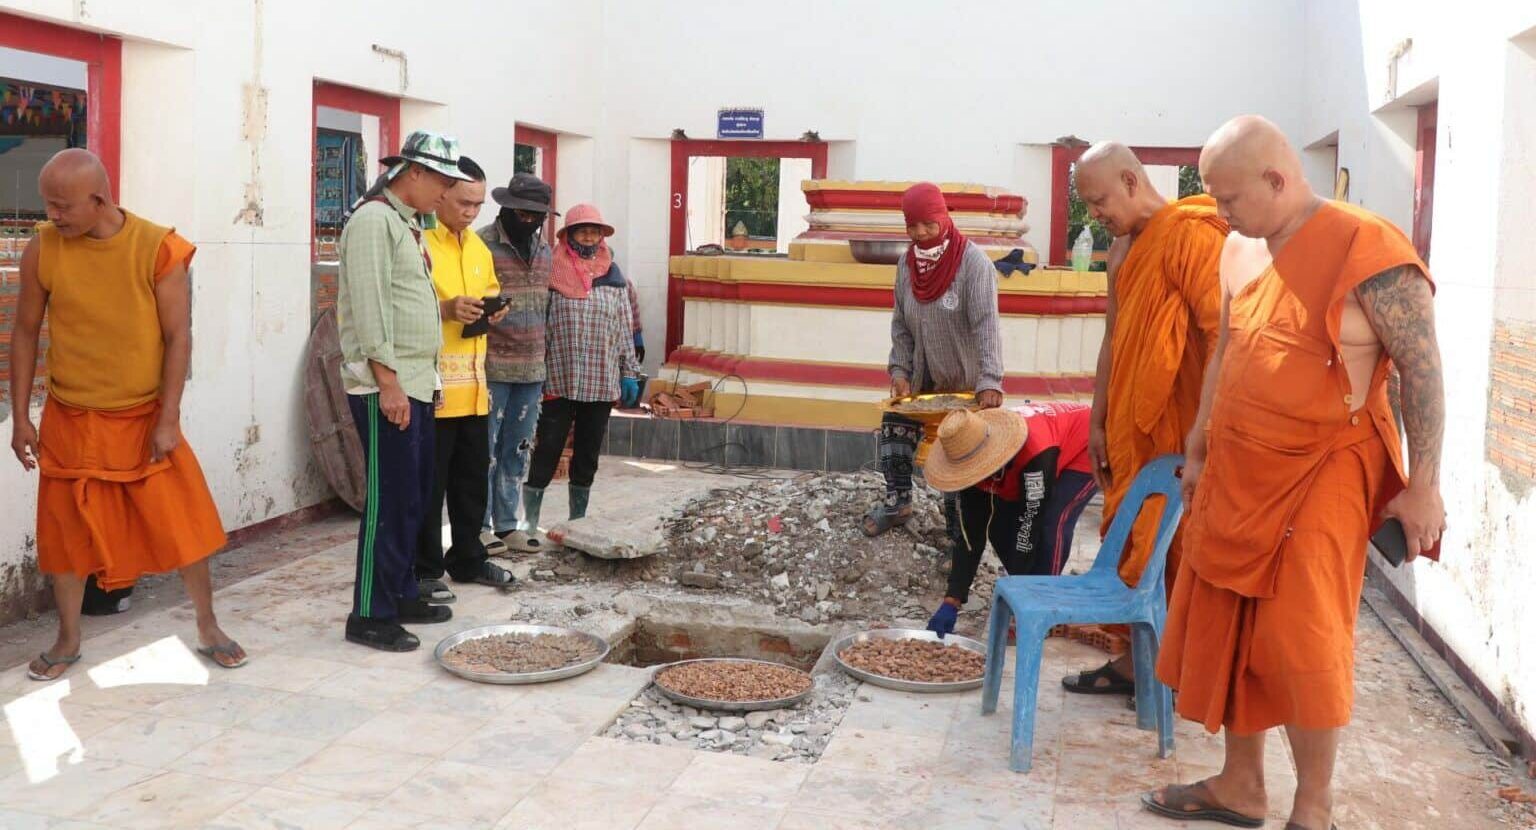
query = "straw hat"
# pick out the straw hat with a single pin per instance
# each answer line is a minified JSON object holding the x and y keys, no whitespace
{"x":972,"y":446}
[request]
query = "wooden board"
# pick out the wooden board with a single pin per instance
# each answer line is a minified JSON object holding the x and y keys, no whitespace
{"x":333,"y":435}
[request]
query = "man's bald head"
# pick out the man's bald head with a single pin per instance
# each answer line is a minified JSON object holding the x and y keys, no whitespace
{"x":1113,"y":184}
{"x":1255,"y":175}
{"x":76,"y":191}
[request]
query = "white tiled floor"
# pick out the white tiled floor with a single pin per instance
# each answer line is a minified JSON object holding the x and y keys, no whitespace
{"x":318,"y":733}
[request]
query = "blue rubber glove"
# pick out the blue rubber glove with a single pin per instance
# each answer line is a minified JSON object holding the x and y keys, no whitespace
{"x":943,"y":620}
{"x":630,"y":396}
{"x":639,"y":347}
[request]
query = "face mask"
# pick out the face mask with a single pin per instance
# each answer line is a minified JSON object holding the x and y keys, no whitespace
{"x":583,"y":251}
{"x":516,"y":227}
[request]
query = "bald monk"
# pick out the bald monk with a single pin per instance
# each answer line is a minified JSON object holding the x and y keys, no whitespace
{"x":120,"y":493}
{"x":1160,"y":330}
{"x":1293,"y":461}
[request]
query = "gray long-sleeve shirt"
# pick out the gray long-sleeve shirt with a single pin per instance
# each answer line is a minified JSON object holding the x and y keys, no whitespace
{"x":953,"y":343}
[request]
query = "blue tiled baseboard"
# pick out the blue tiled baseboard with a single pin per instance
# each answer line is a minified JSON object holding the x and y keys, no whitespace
{"x":815,"y":449}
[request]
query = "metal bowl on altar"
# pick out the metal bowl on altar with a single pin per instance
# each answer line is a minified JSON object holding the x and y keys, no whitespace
{"x":896,"y":683}
{"x":878,"y":251}
{"x":519,"y":678}
{"x":729,"y":705}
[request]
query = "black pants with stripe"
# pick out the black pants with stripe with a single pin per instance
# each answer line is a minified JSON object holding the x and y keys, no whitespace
{"x":400,"y":481}
{"x":1031,"y":538}
{"x":556,"y":420}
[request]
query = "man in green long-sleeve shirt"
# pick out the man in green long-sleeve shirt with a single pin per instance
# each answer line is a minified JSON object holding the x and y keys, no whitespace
{"x":388,"y":315}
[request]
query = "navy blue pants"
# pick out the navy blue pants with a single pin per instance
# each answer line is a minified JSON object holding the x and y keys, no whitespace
{"x":400,"y":464}
{"x":1032,"y":537}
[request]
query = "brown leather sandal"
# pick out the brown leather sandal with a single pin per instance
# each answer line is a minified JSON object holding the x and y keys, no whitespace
{"x":1193,"y":802}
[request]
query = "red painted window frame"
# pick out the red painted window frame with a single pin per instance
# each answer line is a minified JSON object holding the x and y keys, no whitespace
{"x":103,"y":59}
{"x":548,"y":145}
{"x":1424,"y":178}
{"x":351,"y":99}
{"x":682,"y":151}
{"x":1062,"y":158}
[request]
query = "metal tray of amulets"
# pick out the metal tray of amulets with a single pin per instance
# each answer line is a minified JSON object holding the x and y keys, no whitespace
{"x":519,"y":678}
{"x":897,"y":683}
{"x":728,"y":705}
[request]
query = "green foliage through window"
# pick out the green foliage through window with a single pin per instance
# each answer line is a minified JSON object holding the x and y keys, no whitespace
{"x":752,"y":195}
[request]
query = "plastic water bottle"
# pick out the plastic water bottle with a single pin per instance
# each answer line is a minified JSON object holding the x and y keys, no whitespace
{"x":1082,"y":250}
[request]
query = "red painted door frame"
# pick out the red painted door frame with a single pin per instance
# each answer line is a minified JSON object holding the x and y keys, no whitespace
{"x":682,"y":151}
{"x":350,"y":99}
{"x":548,"y":144}
{"x":103,"y":59}
{"x":1062,"y":158}
{"x":1424,"y":178}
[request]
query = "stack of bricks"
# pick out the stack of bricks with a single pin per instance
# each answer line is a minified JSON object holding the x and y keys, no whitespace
{"x":1512,"y":399}
{"x":682,"y":402}
{"x":13,"y":240}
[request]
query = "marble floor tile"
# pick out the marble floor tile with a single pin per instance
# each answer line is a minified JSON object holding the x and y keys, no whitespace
{"x":169,"y":801}
{"x":624,"y":764}
{"x":374,"y":685}
{"x":918,"y":715}
{"x":247,"y":756}
{"x":810,"y":820}
{"x":459,"y":696}
{"x":75,"y":789}
{"x":422,"y":733}
{"x":316,"y":718}
{"x":281,"y":672}
{"x":150,"y":740}
{"x":554,"y":804}
{"x":274,"y":809}
{"x":872,"y":750}
{"x":17,"y":820}
{"x":858,"y":793}
{"x":390,"y":819}
{"x":480,"y":796}
{"x":224,"y":704}
{"x":742,"y":780}
{"x":682,"y":812}
{"x":531,"y":749}
{"x":353,"y":772}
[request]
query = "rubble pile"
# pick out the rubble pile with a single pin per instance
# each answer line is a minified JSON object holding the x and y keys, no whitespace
{"x":798,"y":544}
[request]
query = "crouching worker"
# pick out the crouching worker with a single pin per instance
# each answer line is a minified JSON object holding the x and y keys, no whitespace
{"x":1023,"y":477}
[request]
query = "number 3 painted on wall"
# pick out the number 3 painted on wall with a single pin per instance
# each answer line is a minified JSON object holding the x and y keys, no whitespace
{"x":677,"y":201}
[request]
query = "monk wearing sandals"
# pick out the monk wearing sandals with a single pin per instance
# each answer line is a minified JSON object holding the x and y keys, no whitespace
{"x":120,"y":493}
{"x":1293,"y":460}
{"x":1160,"y":331}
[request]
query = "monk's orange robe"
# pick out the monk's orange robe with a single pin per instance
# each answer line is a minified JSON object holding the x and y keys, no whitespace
{"x":1260,"y":630}
{"x":1167,"y":312}
{"x":103,"y":508}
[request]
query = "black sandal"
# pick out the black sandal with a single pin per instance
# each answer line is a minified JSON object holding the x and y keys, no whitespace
{"x":435,"y":591}
{"x":423,"y":613}
{"x":491,"y":574}
{"x":384,"y":635}
{"x":1193,"y":802}
{"x":1087,"y":682}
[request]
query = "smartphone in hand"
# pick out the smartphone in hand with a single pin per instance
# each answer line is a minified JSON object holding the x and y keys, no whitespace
{"x":482,"y":326}
{"x":1392,"y":542}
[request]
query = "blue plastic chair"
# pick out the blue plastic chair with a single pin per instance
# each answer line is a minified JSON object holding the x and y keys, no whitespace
{"x":1040,"y":603}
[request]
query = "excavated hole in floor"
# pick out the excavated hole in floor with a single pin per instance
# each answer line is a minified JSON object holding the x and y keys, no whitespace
{"x":687,"y":631}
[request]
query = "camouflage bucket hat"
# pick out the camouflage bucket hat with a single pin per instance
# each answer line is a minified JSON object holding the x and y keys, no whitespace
{"x":435,"y":152}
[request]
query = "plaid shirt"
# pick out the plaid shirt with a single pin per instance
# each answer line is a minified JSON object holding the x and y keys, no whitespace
{"x":515,"y":351}
{"x":591,"y":344}
{"x":385,"y":305}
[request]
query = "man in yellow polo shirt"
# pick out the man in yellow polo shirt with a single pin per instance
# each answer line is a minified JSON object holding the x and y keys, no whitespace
{"x":463,"y":277}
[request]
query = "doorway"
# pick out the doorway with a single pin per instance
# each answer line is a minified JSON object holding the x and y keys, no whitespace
{"x":705,"y":210}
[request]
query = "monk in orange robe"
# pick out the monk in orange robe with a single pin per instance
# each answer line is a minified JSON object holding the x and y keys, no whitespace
{"x":1293,"y":461}
{"x":1160,"y":331}
{"x":120,"y":492}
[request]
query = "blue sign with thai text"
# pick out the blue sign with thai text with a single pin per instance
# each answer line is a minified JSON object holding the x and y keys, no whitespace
{"x":739,"y":123}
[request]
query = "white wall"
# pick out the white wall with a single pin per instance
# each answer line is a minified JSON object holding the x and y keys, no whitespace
{"x":1480,"y":257}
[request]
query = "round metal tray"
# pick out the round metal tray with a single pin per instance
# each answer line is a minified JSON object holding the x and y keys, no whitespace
{"x":728,"y":705}
{"x":908,"y":634}
{"x":515,"y":679}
